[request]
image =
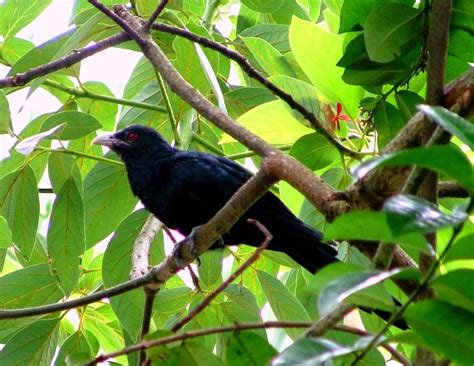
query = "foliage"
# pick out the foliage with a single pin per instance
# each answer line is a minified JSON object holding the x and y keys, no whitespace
{"x":358,"y":65}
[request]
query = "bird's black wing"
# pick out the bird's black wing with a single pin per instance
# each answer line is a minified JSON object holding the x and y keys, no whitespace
{"x":191,"y":187}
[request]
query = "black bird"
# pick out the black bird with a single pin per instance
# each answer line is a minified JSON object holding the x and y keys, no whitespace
{"x":185,"y":189}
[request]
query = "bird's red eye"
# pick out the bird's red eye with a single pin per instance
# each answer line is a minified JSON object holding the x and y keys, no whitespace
{"x":132,"y":137}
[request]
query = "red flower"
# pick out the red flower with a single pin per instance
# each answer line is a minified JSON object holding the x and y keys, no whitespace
{"x":339,"y":116}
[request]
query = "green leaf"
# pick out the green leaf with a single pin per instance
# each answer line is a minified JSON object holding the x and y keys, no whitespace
{"x":210,"y":268}
{"x":5,"y":119}
{"x":268,"y":57}
{"x":301,"y":91}
{"x":41,"y":54}
{"x":408,"y":214}
{"x":15,"y":48}
{"x":273,"y":122}
{"x":190,"y":353}
{"x":62,"y":167}
{"x":311,"y":351}
{"x":33,"y":345}
{"x":172,"y":300}
{"x":66,"y":237}
{"x":462,"y":249}
{"x":78,"y":124}
{"x":275,"y":34}
{"x":388,"y":28}
{"x":285,"y":306}
{"x":19,"y":200}
{"x":340,"y":289}
{"x":263,"y":6}
{"x":27,"y":287}
{"x":116,"y":269}
{"x":456,"y":288}
{"x":461,"y":44}
{"x":407,"y":102}
{"x":446,"y":159}
{"x":355,"y":12}
{"x":452,"y":122}
{"x":372,"y":226}
{"x":463,"y":13}
{"x":250,"y":349}
{"x":241,"y":100}
{"x":5,"y":234}
{"x":107,"y":200}
{"x":103,"y":111}
{"x":242,"y":307}
{"x":314,"y":151}
{"x":77,"y":344}
{"x":388,"y":122}
{"x":320,"y":66}
{"x":15,"y":15}
{"x":445,"y":328}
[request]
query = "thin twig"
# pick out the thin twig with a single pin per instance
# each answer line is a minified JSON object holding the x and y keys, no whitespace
{"x":193,"y":334}
{"x":201,"y":306}
{"x":329,"y":320}
{"x":155,"y":15}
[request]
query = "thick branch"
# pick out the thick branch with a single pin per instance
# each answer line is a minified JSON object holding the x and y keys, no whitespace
{"x":314,"y":188}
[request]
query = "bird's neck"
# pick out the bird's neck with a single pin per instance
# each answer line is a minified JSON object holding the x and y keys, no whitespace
{"x":141,"y":171}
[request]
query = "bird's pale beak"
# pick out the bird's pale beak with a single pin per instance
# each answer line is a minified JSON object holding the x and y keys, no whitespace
{"x":106,"y":140}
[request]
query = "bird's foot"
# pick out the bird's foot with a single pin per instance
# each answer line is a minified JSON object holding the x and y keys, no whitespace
{"x":182,"y":253}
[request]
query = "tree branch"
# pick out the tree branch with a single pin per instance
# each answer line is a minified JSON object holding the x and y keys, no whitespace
{"x":200,"y":307}
{"x":155,"y":15}
{"x":452,"y":189}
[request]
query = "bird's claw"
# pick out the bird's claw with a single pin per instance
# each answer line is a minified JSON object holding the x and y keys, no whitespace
{"x":177,"y":253}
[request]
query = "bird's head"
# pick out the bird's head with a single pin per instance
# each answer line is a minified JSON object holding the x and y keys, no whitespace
{"x":135,"y":142}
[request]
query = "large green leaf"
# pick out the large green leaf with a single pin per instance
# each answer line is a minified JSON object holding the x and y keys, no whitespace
{"x":248,"y":348}
{"x":77,"y":344}
{"x":5,"y":119}
{"x":452,"y":122}
{"x":319,"y":62}
{"x":107,"y":200}
{"x":66,"y":236}
{"x":103,"y":111}
{"x":456,"y":288}
{"x":62,"y":167}
{"x":408,"y":214}
{"x":312,"y":351}
{"x":388,"y":121}
{"x":241,"y":307}
{"x":388,"y":28}
{"x":19,"y":204}
{"x":78,"y":124}
{"x":285,"y":306}
{"x":273,"y":122}
{"x":27,"y":287}
{"x":372,"y":226}
{"x":446,"y":159}
{"x":5,"y":234}
{"x":445,"y":328}
{"x":190,"y":353}
{"x":343,"y":287}
{"x":210,"y":268}
{"x":33,"y":345}
{"x":275,"y":34}
{"x":263,"y":6}
{"x":15,"y":15}
{"x":15,"y":48}
{"x":314,"y":151}
{"x":116,"y":269}
{"x":268,"y":57}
